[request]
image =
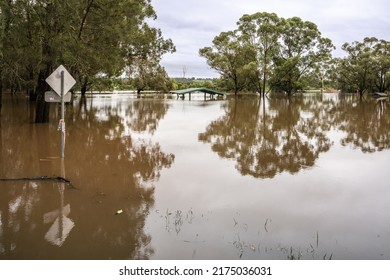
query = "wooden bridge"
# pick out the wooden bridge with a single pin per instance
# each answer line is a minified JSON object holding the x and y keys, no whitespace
{"x":182,"y":92}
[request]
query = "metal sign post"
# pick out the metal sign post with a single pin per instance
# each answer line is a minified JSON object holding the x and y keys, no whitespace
{"x":62,"y":117}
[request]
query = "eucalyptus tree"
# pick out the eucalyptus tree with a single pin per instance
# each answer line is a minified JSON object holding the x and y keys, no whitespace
{"x":90,"y":37}
{"x":8,"y":47}
{"x":302,"y":48}
{"x":2,"y":36}
{"x":262,"y":32}
{"x":143,"y":59}
{"x":366,"y":67}
{"x":381,"y":56}
{"x":104,"y":31}
{"x":230,"y":57}
{"x":20,"y":41}
{"x":356,"y":71}
{"x":268,"y":53}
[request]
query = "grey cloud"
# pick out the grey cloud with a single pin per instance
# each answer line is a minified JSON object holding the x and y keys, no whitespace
{"x":192,"y":24}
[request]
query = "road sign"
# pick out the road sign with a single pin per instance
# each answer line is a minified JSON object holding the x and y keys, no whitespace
{"x":51,"y":96}
{"x":54,"y":80}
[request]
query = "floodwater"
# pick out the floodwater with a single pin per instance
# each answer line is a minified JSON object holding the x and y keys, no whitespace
{"x":161,"y":178}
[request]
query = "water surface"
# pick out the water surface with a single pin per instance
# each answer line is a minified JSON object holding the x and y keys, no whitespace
{"x":160,"y":178}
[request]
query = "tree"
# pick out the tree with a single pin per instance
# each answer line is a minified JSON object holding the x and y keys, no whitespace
{"x":2,"y":36}
{"x":381,"y":56}
{"x":367,"y":66}
{"x":268,"y":53}
{"x":302,"y":48}
{"x":92,"y":38}
{"x":105,"y":30}
{"x":261,"y":31}
{"x":230,"y":56}
{"x":356,"y":70}
{"x":148,"y":75}
{"x":143,"y":60}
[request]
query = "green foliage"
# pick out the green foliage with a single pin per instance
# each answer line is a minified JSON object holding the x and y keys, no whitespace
{"x":183,"y":83}
{"x":261,"y":31}
{"x":143,"y":60}
{"x":269,"y":53}
{"x":92,"y":38}
{"x":230,"y":57}
{"x":301,"y":51}
{"x":366,"y":68}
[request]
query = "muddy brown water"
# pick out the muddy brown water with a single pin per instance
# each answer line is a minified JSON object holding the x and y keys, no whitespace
{"x":161,"y":178}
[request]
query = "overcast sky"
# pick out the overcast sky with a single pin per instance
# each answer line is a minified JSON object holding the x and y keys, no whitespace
{"x":192,"y":24}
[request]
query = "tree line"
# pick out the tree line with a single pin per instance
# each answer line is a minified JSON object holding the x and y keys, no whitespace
{"x":267,"y":53}
{"x":91,"y":38}
{"x":100,"y":40}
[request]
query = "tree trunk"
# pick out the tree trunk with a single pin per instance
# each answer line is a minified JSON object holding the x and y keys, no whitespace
{"x":1,"y":73}
{"x":31,"y":90}
{"x":361,"y":93}
{"x":264,"y":74}
{"x":235,"y":86}
{"x":1,"y":88}
{"x":84,"y":87}
{"x":32,"y":94}
{"x":42,"y":111}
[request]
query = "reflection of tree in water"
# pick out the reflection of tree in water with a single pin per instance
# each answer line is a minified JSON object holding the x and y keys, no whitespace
{"x":269,"y":140}
{"x":139,"y":115}
{"x":145,"y":114}
{"x":112,"y":171}
{"x":366,"y":123}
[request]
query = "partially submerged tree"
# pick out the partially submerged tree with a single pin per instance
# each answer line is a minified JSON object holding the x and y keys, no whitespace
{"x":268,"y":53}
{"x":143,"y":60}
{"x":367,"y":66}
{"x":301,"y":50}
{"x":262,"y":32}
{"x":230,"y":57}
{"x":90,"y":37}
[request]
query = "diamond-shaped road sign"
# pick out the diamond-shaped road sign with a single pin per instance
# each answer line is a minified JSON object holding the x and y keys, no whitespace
{"x":54,"y":80}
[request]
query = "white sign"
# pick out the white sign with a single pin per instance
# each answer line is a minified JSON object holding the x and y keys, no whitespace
{"x":54,"y":80}
{"x":51,"y":96}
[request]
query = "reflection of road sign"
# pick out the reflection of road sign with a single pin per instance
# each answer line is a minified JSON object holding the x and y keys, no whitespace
{"x":51,"y":96}
{"x":51,"y":216}
{"x":54,"y":80}
{"x":61,"y":226}
{"x":59,"y":231}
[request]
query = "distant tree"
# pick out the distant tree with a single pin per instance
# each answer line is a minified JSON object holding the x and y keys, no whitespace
{"x":367,"y":66}
{"x":230,"y":56}
{"x":148,"y":75}
{"x":268,"y":53}
{"x":356,"y":70}
{"x":382,"y":65}
{"x":143,"y":60}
